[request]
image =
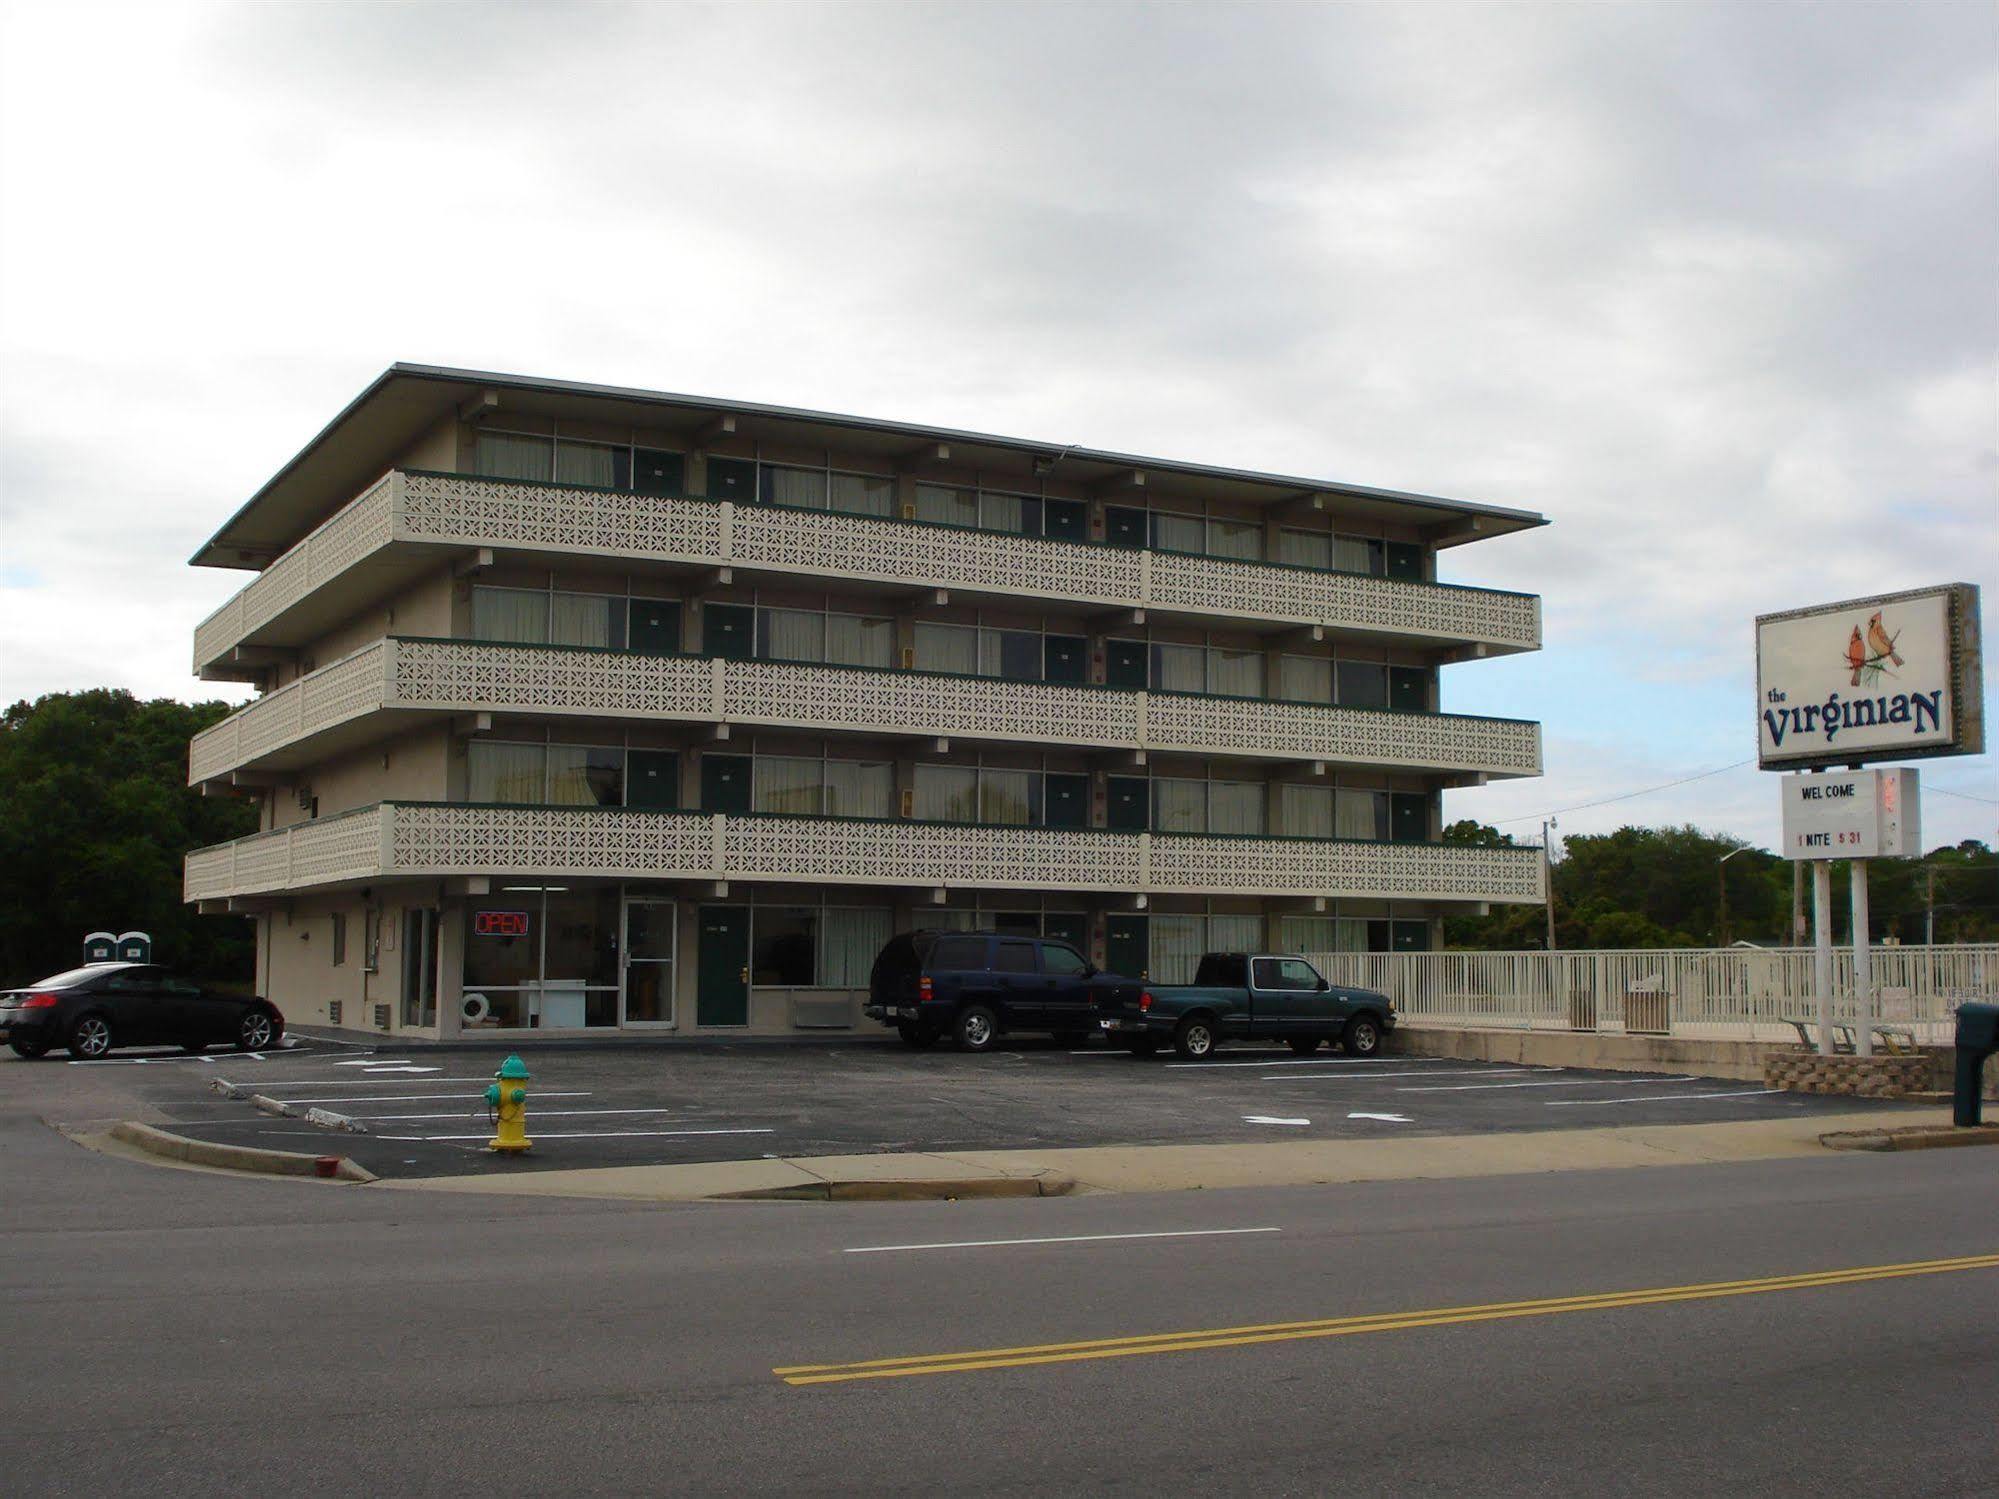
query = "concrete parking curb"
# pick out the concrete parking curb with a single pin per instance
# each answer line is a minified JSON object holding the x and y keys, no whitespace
{"x":906,"y":1191}
{"x":233,"y":1157}
{"x":1915,"y":1137}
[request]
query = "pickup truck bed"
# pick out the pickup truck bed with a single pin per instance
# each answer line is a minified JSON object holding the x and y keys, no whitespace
{"x":1251,"y":996}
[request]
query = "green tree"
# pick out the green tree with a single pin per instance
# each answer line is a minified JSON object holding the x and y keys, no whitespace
{"x":95,"y":816}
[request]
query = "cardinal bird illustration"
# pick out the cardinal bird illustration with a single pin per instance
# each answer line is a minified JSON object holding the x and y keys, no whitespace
{"x":1880,"y":641}
{"x":1856,"y":655}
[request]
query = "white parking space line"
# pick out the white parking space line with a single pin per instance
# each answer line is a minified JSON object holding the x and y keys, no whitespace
{"x":613,"y":1134}
{"x":1316,"y":1062}
{"x":538,"y":1114}
{"x":417,"y":1097}
{"x":1486,"y":1087}
{"x":1368,"y":1077}
{"x":1590,"y":1103}
{"x":1185,"y":1233}
{"x":368,"y":1082}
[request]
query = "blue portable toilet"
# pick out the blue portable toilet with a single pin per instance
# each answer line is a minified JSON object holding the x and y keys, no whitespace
{"x":100,"y":947}
{"x":135,"y":947}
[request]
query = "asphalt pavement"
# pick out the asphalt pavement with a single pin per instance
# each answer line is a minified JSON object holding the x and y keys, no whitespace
{"x":1779,"y":1327}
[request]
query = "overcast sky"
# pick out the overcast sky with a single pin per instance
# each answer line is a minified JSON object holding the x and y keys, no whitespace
{"x":1715,"y":288}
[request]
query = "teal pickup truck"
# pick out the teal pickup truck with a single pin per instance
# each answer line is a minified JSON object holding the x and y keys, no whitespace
{"x":1258,"y":996}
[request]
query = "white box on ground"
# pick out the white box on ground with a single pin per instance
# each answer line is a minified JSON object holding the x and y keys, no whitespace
{"x":1855,"y":814}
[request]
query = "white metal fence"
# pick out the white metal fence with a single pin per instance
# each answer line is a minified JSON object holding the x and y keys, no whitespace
{"x":1740,"y":993}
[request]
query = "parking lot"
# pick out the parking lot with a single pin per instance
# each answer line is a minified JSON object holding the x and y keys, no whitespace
{"x":425,"y":1115}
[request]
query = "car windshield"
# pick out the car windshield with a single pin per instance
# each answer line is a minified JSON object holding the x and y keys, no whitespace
{"x":75,"y":976}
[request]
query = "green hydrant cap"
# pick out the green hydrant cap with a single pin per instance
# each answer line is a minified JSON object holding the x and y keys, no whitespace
{"x":513,"y":1067}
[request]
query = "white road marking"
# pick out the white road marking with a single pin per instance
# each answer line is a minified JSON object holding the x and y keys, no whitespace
{"x":1368,"y":1077}
{"x":1584,"y":1082}
{"x":536,"y":1114}
{"x":387,"y":1066}
{"x":614,"y":1134}
{"x":1185,"y":1233}
{"x":1385,"y":1118}
{"x":1315,"y":1062}
{"x":419,"y":1097}
{"x":367,"y":1082}
{"x":1590,"y":1103}
{"x":1270,"y":1119}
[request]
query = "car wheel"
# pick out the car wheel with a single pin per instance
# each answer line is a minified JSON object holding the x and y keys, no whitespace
{"x":90,"y":1037}
{"x":1363,"y":1037}
{"x":977,"y":1029}
{"x":30,"y":1051}
{"x":918,"y":1036}
{"x":1195,"y":1039}
{"x":255,"y":1031}
{"x":1305,"y":1045}
{"x":1146,"y":1046}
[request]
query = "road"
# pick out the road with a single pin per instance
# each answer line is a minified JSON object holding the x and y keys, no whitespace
{"x":173,"y":1331}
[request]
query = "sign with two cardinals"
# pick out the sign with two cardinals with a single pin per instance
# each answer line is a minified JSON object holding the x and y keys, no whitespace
{"x":1896,"y":677}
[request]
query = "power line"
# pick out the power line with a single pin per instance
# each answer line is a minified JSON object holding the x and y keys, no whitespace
{"x":1963,"y":796}
{"x":1628,"y":795}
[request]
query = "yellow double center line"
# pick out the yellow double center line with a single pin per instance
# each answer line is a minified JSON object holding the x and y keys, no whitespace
{"x":1339,"y":1327}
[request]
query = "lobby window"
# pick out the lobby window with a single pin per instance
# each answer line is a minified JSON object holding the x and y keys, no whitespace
{"x":816,"y":787}
{"x":542,"y":956}
{"x":822,"y":636}
{"x":816,"y":947}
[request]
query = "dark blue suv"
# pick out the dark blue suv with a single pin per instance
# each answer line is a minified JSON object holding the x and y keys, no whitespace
{"x":977,"y":986}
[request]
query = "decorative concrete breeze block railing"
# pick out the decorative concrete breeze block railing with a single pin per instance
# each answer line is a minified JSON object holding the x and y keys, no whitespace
{"x":461,"y":511}
{"x":468,"y":676}
{"x":431,"y":840}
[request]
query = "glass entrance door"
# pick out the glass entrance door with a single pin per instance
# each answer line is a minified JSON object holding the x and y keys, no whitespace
{"x":650,"y":932}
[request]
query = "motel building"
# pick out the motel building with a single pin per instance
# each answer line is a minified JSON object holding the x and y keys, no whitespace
{"x":584,"y":709}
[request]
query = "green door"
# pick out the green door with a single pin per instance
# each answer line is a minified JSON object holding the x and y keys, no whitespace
{"x":1409,"y":689}
{"x":728,"y":630}
{"x":1066,"y":801}
{"x":1409,"y":817}
{"x":1124,"y":663}
{"x":722,"y":996}
{"x":652,"y":779}
{"x":656,"y":627}
{"x":1124,"y":526}
{"x":1128,"y":804}
{"x":1066,"y":520}
{"x":1405,"y":562}
{"x":1125,"y":942}
{"x":725,"y":784}
{"x":1072,"y":927}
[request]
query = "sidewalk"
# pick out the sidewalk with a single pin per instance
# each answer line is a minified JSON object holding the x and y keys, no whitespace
{"x":1174,"y":1168}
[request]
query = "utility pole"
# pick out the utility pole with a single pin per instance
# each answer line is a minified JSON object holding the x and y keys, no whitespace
{"x":1548,"y":874}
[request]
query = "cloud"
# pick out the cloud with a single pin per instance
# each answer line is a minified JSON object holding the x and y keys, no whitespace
{"x":1708,"y":285}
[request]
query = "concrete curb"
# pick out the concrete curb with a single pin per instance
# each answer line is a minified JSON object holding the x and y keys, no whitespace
{"x":906,"y":1191}
{"x":1915,"y":1137}
{"x":232,"y":1157}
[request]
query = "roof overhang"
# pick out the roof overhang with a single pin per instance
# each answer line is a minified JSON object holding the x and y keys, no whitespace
{"x":408,"y":400}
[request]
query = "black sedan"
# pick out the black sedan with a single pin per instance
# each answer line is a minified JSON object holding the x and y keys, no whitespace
{"x":95,"y":1008}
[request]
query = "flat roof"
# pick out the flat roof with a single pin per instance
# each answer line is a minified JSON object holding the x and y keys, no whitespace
{"x":406,"y":400}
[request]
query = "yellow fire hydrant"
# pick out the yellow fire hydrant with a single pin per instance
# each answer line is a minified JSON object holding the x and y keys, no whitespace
{"x":508,"y":1101}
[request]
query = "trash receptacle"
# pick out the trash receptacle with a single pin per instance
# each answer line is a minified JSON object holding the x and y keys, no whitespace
{"x":1977,"y":1039}
{"x":1648,"y":1010}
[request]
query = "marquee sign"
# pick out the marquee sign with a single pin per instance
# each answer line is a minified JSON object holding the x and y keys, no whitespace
{"x":1894,"y":677}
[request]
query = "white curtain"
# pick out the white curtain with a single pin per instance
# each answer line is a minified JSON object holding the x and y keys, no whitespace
{"x":501,"y":455}
{"x":802,"y":488}
{"x":954,"y":507}
{"x":1235,"y":673}
{"x":585,"y":463}
{"x":1350,"y":935}
{"x":1305,"y":679}
{"x":581,"y":618}
{"x":1177,"y":943}
{"x":1179,"y":533}
{"x":1179,"y":668}
{"x":1362,"y":814}
{"x":1305,"y":548}
{"x":849,"y":942}
{"x":1305,"y":811}
{"x":1000,"y":512}
{"x":863,"y":494}
{"x":509,"y":614}
{"x":1235,"y":933}
{"x":1307,"y":934}
{"x":1180,"y":806}
{"x":1235,"y":806}
{"x":582,"y":776}
{"x":859,"y":788}
{"x":854,"y":641}
{"x":505,"y":772}
{"x":784,"y":784}
{"x":1235,"y":538}
{"x":1352,"y":554}
{"x":947,"y":793}
{"x":1004,"y":796}
{"x":793,"y":635}
{"x":953,"y":648}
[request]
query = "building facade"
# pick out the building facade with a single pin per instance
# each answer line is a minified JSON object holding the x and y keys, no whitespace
{"x":588,"y":709}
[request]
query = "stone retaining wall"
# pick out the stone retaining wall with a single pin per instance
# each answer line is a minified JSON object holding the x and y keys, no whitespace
{"x":1879,"y":1076}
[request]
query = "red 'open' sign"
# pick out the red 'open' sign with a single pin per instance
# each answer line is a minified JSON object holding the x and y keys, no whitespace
{"x":499,"y":923}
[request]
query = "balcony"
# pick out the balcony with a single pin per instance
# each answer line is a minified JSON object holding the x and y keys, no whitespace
{"x":434,"y":840}
{"x":407,"y":522}
{"x":385,"y":686}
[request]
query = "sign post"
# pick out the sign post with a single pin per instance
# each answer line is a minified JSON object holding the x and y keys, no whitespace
{"x":1895,"y":677}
